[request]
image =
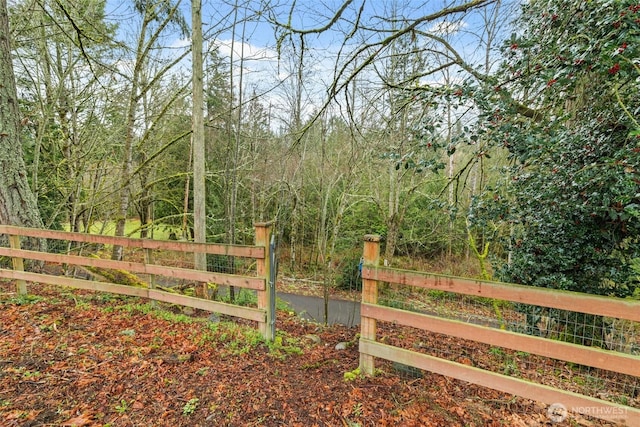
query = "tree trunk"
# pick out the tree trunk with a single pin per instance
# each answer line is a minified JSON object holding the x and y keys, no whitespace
{"x":18,"y":205}
{"x":197,"y":135}
{"x":145,"y":200}
{"x":393,"y":230}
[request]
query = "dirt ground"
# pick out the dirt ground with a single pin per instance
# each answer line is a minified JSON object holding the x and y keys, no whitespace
{"x":78,"y":358}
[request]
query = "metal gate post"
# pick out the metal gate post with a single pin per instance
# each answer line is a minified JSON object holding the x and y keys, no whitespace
{"x":273,"y":274}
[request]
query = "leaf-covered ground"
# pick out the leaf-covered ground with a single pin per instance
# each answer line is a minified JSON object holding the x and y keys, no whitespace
{"x":76,"y":358}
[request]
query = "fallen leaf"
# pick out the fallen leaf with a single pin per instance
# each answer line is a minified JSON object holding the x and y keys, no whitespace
{"x":79,"y":421}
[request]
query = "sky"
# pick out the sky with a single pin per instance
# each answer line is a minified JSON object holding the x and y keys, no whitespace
{"x":266,"y":70}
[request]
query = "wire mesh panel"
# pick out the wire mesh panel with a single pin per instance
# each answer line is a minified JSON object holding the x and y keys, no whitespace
{"x":147,"y":268}
{"x":610,"y":335}
{"x":5,"y":261}
{"x":538,"y":343}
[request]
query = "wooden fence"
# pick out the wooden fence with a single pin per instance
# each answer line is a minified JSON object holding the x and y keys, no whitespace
{"x":372,"y":312}
{"x":263,"y":314}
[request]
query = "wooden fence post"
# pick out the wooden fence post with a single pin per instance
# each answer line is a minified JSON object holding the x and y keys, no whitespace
{"x":368,"y":326}
{"x":18,"y":264}
{"x":148,"y":259}
{"x":263,"y":269}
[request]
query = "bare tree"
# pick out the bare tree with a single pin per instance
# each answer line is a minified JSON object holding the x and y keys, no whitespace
{"x":378,"y":32}
{"x":156,"y":17}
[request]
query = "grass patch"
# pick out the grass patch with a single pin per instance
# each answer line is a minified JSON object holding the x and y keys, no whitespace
{"x":154,"y":310}
{"x":132,"y":228}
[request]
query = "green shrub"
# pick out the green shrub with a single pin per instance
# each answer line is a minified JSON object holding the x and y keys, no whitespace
{"x":350,"y":277}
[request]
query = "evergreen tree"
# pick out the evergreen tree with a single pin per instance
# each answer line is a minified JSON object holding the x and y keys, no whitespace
{"x":17,"y":202}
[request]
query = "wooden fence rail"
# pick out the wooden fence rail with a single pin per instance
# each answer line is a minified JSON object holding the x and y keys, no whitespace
{"x":372,"y":312}
{"x":260,"y":252}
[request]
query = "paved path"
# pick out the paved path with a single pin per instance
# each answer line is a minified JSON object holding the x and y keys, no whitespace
{"x":342,"y":312}
{"x":312,"y":308}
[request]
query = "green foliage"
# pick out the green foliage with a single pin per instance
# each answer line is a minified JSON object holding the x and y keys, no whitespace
{"x":283,"y":346}
{"x":361,"y":219}
{"x":239,"y":340}
{"x":566,"y":112}
{"x":438,"y":295}
{"x":122,"y":407}
{"x":190,"y":407}
{"x":496,"y":351}
{"x":22,"y":299}
{"x":394,"y":299}
{"x":221,"y":263}
{"x":155,"y":310}
{"x":350,"y":277}
{"x":243,"y":297}
{"x":64,"y":138}
{"x":427,"y":229}
{"x":353,"y":375}
{"x":573,"y":194}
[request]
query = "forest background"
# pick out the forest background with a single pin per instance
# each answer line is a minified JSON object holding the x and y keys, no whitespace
{"x":458,"y":130}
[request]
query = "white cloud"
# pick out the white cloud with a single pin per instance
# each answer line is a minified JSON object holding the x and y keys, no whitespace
{"x":446,"y":28}
{"x":248,"y":51}
{"x":180,"y":43}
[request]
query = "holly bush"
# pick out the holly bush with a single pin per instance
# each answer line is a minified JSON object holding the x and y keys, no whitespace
{"x":565,"y":105}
